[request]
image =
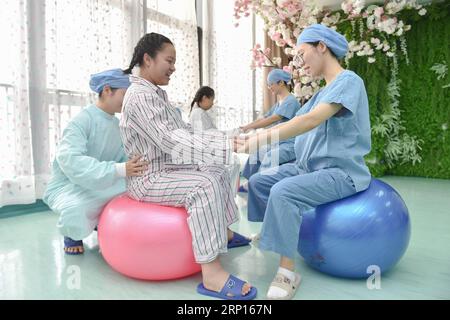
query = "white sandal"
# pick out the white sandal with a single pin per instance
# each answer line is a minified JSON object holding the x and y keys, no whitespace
{"x":283,"y":282}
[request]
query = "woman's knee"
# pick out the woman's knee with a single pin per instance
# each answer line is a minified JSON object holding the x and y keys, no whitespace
{"x":280,"y":190}
{"x":209,"y":186}
{"x":219,"y":172}
{"x":255,"y":180}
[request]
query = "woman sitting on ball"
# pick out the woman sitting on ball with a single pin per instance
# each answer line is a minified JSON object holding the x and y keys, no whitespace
{"x":186,"y":169}
{"x":332,"y":137}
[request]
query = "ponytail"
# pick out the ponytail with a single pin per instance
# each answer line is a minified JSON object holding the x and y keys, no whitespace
{"x":202,"y":92}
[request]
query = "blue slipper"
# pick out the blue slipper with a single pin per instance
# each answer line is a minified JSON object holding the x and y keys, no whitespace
{"x":238,"y":240}
{"x":69,"y":243}
{"x":242,"y":189}
{"x":232,"y":290}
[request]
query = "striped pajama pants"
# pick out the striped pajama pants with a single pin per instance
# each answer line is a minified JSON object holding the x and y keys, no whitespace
{"x":204,"y":190}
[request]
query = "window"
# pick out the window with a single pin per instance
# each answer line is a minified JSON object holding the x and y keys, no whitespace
{"x":238,"y":89}
{"x":96,"y":38}
{"x":176,"y":20}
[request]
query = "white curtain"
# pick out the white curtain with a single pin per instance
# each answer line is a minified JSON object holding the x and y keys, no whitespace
{"x":50,"y":49}
{"x":176,"y":19}
{"x":16,"y":161}
{"x":226,"y":64}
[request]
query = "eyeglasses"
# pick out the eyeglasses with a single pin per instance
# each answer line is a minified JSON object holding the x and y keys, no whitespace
{"x":298,"y":59}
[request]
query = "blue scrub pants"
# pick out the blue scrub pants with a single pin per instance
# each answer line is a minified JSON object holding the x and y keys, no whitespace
{"x":269,"y":157}
{"x":279,"y":196}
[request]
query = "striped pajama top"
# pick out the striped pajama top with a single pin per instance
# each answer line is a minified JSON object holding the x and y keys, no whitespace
{"x":150,"y":126}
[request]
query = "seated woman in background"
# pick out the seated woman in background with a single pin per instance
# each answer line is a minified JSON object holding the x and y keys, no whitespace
{"x":201,"y":120}
{"x":279,"y":152}
{"x":186,"y":169}
{"x":332,"y":136}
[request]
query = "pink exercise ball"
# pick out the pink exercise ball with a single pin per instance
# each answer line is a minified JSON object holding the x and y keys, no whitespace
{"x":146,"y":241}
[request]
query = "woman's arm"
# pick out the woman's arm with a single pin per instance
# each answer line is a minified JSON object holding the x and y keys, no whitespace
{"x":262,"y":123}
{"x":298,"y":125}
{"x":81,"y":169}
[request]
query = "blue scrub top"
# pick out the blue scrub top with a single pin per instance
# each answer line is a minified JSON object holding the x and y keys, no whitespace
{"x":286,"y":110}
{"x":343,"y":140}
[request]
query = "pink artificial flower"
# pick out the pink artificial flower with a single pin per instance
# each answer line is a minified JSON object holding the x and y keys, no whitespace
{"x":291,"y":42}
{"x":276,"y":36}
{"x":298,"y":89}
{"x":287,"y":69}
{"x":282,"y":3}
{"x":378,"y":11}
{"x":348,"y":7}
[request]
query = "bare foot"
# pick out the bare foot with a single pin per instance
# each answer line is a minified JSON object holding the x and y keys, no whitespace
{"x":230,"y":234}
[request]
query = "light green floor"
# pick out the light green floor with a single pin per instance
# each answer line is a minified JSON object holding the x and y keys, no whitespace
{"x":33,"y":266}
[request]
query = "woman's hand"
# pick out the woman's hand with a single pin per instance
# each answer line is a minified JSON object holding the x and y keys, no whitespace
{"x":135,"y":167}
{"x":243,"y":129}
{"x":246,"y":143}
{"x":239,"y":144}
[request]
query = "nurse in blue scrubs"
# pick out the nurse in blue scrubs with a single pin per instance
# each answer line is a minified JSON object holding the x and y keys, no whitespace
{"x":333,"y":135}
{"x":287,"y":106}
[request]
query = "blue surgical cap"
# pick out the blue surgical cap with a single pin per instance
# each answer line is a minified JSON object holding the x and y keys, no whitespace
{"x":114,"y":78}
{"x":335,"y":41}
{"x":278,"y":75}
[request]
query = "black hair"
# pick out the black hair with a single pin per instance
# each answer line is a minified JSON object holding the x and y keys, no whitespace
{"x":101,"y":92}
{"x":204,"y":91}
{"x":315,"y":44}
{"x":151,"y":44}
{"x":290,"y":85}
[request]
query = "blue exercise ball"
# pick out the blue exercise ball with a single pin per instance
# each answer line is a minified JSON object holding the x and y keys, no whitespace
{"x":346,"y":237}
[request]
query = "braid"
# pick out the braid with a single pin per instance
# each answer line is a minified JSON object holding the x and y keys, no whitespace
{"x":134,"y":61}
